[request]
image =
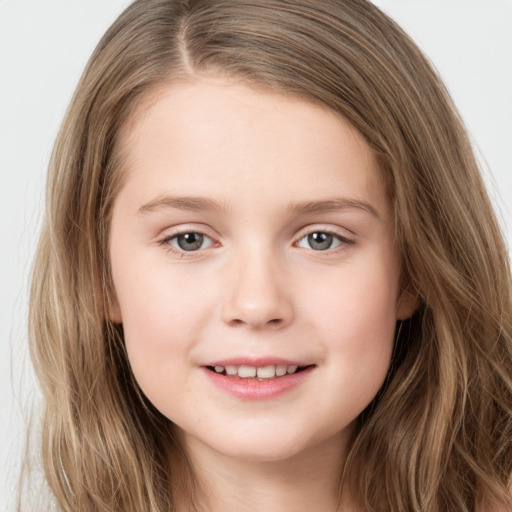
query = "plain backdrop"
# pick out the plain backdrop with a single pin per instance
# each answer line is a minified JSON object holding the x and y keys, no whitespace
{"x":44,"y":45}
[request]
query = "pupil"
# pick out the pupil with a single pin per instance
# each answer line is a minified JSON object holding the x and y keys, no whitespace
{"x":190,"y":241}
{"x":320,"y":241}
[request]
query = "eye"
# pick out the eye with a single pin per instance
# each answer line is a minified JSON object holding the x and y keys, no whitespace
{"x":322,"y":241}
{"x":190,"y":241}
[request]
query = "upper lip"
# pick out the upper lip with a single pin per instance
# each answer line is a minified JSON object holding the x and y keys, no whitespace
{"x":257,"y":362}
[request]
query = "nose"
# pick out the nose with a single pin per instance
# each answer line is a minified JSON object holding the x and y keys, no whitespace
{"x":258,"y":295}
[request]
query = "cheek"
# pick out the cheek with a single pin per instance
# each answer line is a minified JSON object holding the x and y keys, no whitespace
{"x":165,"y":314}
{"x":157,"y":305}
{"x":356,"y":319}
{"x":157,"y":324}
{"x":157,"y":340}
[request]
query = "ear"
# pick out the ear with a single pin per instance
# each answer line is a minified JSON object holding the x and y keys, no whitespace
{"x":407,"y":304}
{"x":112,"y":308}
{"x":114,"y":311}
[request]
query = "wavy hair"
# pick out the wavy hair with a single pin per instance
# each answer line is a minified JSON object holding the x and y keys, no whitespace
{"x":438,"y":437}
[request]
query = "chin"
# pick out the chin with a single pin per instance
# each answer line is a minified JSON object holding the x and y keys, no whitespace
{"x":267,"y":444}
{"x":261,"y":451}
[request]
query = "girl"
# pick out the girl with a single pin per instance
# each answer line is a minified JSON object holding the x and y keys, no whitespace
{"x":269,"y":276}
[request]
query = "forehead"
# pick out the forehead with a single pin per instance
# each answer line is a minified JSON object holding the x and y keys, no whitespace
{"x":202,"y":133}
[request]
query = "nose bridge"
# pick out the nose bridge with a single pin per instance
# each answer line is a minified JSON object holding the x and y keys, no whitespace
{"x":257,"y":296}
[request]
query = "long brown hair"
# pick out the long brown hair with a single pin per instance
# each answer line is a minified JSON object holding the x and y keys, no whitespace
{"x":438,"y":437}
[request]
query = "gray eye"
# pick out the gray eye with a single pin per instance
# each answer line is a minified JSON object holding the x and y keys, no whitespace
{"x":320,"y":241}
{"x":190,"y":241}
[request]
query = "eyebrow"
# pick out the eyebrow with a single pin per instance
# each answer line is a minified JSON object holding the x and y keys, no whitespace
{"x":189,"y":203}
{"x":192,"y":203}
{"x":332,"y":205}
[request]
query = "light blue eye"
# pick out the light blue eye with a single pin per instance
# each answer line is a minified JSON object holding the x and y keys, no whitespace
{"x":320,"y":241}
{"x":190,"y":241}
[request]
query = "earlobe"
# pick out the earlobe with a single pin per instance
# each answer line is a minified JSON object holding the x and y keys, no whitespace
{"x":106,"y":294}
{"x":113,"y":311}
{"x":114,"y":314}
{"x":408,"y":303}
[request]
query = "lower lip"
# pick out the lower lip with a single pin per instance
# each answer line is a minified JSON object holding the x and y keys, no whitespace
{"x":254,"y":389}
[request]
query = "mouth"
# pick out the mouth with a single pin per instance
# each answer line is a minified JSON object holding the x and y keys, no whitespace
{"x":261,"y":373}
{"x":253,"y":380}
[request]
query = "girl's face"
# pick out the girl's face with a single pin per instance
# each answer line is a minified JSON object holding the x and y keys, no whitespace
{"x":254,"y":237}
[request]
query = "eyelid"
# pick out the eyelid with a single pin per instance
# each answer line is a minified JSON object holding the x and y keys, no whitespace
{"x":344,"y":239}
{"x":183,"y":229}
{"x":175,"y":231}
{"x":337,"y":231}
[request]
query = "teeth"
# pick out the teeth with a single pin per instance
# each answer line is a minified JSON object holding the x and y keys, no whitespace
{"x":231,"y":370}
{"x":263,"y":372}
{"x":266,"y":372}
{"x":246,"y":371}
{"x":281,"y":370}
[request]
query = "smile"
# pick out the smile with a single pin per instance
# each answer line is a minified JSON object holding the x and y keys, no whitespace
{"x":257,"y":381}
{"x":253,"y":372}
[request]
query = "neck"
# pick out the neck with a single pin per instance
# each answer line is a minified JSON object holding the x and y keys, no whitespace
{"x":304,"y":482}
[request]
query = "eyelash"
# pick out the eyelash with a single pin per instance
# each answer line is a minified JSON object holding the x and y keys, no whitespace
{"x":166,"y":242}
{"x":343,"y":240}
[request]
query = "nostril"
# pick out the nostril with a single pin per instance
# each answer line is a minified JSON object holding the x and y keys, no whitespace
{"x":256,"y":311}
{"x":274,"y":322}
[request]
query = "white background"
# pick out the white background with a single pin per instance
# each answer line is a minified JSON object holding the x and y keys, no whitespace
{"x":44,"y":45}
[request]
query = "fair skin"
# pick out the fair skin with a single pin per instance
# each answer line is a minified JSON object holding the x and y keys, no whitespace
{"x":253,"y":232}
